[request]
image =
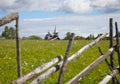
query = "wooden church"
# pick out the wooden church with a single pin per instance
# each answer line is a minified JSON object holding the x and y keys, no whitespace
{"x":55,"y":35}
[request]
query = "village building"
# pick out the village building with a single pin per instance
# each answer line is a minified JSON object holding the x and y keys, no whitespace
{"x":55,"y":35}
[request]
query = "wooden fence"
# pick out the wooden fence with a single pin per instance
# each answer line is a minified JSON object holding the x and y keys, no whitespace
{"x":59,"y":63}
{"x":6,"y":20}
{"x":114,"y":70}
{"x":62,"y":65}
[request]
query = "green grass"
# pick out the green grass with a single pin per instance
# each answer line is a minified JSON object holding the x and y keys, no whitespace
{"x":36,"y":52}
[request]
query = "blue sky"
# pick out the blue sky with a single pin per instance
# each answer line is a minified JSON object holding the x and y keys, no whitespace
{"x":82,"y":17}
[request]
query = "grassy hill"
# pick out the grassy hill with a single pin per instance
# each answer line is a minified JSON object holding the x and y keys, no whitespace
{"x":36,"y":52}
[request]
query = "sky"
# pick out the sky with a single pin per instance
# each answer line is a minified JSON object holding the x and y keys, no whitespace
{"x":82,"y":17}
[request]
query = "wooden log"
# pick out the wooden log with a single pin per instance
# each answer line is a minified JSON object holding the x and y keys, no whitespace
{"x":111,"y":45}
{"x":109,"y":77}
{"x":8,"y":18}
{"x":63,"y":68}
{"x":111,"y":42}
{"x":109,"y":66}
{"x":18,"y":49}
{"x":45,"y":75}
{"x":78,"y":53}
{"x":117,"y":42}
{"x":58,"y":66}
{"x":106,"y":79}
{"x":90,"y":67}
{"x":37,"y":71}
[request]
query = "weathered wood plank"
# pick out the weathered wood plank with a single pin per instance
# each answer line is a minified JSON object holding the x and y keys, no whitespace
{"x":45,"y":75}
{"x":78,"y":53}
{"x":63,"y":68}
{"x":111,"y":42}
{"x":37,"y":71}
{"x":58,"y":66}
{"x":111,"y":45}
{"x":109,"y":77}
{"x":18,"y":49}
{"x":8,"y":18}
{"x":117,"y":42}
{"x":90,"y":67}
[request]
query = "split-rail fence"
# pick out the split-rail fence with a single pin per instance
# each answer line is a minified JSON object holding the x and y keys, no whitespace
{"x":60,"y":62}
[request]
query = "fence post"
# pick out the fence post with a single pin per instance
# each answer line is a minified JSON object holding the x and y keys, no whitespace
{"x":117,"y":41}
{"x":111,"y":45}
{"x":18,"y":48}
{"x":62,"y":70}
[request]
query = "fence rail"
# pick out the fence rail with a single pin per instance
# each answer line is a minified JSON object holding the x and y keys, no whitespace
{"x":57,"y":63}
{"x":57,"y":67}
{"x":53,"y":69}
{"x":90,"y":67}
{"x":109,"y":76}
{"x":37,"y":71}
{"x":8,"y":18}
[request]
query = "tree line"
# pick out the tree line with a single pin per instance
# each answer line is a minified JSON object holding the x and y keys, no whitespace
{"x":10,"y":33}
{"x":89,"y":37}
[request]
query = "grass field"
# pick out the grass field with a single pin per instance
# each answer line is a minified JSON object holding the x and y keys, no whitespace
{"x":36,"y":52}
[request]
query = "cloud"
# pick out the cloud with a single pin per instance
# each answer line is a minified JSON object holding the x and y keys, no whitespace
{"x":76,"y":6}
{"x":80,"y":25}
{"x":106,"y":5}
{"x":72,"y":6}
{"x":6,"y":5}
{"x":29,"y":5}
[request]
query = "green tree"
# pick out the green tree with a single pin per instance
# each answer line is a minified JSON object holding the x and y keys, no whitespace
{"x":9,"y":33}
{"x":0,"y":37}
{"x":32,"y":37}
{"x":12,"y":32}
{"x":79,"y":38}
{"x":90,"y":37}
{"x":5,"y":32}
{"x":67,"y":36}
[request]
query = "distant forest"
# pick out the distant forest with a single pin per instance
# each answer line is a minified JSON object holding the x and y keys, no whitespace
{"x":9,"y":33}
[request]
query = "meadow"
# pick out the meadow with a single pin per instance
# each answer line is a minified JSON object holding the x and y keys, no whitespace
{"x":36,"y":52}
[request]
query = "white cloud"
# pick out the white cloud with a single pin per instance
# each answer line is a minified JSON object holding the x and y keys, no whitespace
{"x":47,"y":5}
{"x":106,"y":5}
{"x":76,"y":6}
{"x":80,"y":25}
{"x":29,"y":5}
{"x":5,"y":4}
{"x":73,"y":6}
